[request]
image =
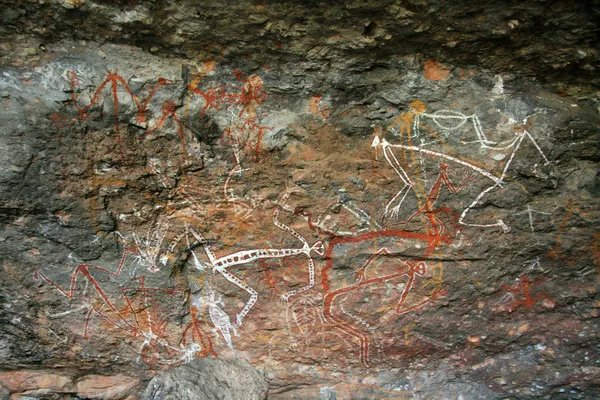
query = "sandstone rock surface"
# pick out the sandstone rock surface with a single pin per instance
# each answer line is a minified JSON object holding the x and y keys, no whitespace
{"x":364,"y":199}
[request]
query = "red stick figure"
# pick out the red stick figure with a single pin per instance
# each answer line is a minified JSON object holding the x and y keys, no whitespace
{"x":169,"y":109}
{"x":114,"y":79}
{"x":143,"y":108}
{"x":251,"y":94}
{"x":84,"y":269}
{"x":213,"y":98}
{"x":198,"y":335}
{"x":523,"y":290}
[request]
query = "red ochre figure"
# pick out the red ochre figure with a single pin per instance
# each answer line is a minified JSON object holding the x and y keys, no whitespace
{"x":249,"y":96}
{"x":411,"y":269}
{"x":142,"y":317}
{"x":428,"y":209}
{"x":114,"y":79}
{"x":523,"y":290}
{"x":198,"y":334}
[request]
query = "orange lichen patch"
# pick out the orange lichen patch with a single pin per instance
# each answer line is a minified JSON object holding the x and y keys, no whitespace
{"x":435,"y":71}
{"x":523,"y":328}
{"x":317,"y":108}
{"x":474,"y":339}
{"x":74,"y":3}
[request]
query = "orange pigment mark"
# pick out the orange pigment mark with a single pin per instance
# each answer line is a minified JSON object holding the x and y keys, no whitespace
{"x":435,"y":71}
{"x":317,"y":108}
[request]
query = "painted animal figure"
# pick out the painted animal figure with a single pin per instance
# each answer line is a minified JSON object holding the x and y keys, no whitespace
{"x":523,"y":289}
{"x":447,"y":120}
{"x":219,"y":318}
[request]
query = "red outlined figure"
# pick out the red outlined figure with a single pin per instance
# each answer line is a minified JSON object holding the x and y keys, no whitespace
{"x":432,"y":241}
{"x":522,"y":293}
{"x":410,"y":269}
{"x":198,"y":335}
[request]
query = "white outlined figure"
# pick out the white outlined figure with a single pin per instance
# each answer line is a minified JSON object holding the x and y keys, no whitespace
{"x":218,"y":317}
{"x":395,"y":164}
{"x":446,"y":120}
{"x":222,"y":264}
{"x":449,"y":120}
{"x":148,"y":248}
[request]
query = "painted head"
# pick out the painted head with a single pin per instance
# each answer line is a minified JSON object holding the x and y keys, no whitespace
{"x":417,"y":107}
{"x":420,"y":268}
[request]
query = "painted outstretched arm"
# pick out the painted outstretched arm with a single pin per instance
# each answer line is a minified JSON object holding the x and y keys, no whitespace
{"x":222,"y":264}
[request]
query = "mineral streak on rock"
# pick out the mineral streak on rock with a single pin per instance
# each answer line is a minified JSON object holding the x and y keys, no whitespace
{"x":391,"y":199}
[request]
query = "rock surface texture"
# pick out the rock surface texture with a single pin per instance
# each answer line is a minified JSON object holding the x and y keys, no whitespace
{"x":363,"y":199}
{"x":209,"y":379}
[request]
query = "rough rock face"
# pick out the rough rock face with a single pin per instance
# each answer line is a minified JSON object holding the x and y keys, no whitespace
{"x":364,"y":199}
{"x":208,"y":379}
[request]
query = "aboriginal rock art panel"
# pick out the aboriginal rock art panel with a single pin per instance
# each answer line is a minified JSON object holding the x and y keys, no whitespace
{"x":369,"y":269}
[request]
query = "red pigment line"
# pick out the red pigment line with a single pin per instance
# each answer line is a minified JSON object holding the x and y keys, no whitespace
{"x":432,"y":242}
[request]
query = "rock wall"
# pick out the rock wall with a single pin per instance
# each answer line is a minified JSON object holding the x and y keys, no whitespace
{"x":364,"y":200}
